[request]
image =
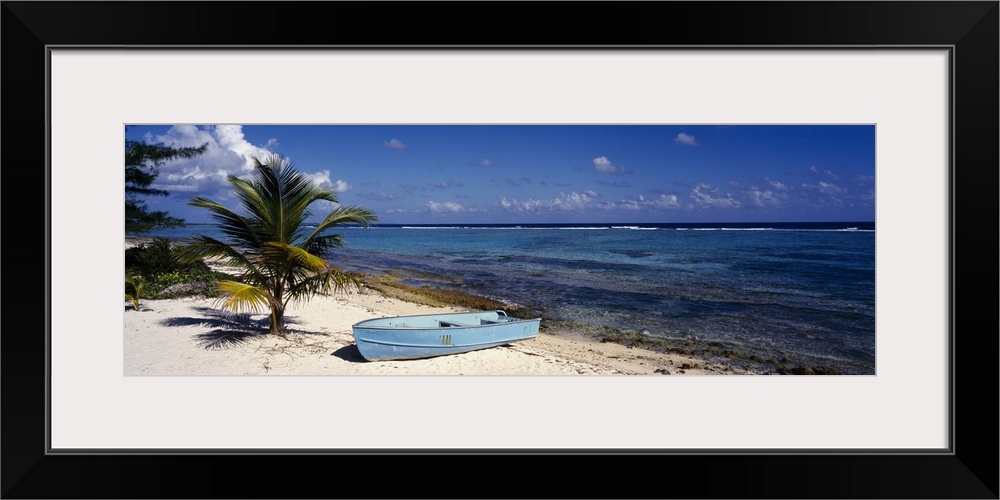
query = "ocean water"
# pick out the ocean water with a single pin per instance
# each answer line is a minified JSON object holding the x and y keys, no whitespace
{"x":775,"y":294}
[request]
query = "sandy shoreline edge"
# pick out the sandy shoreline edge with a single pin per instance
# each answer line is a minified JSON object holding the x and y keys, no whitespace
{"x":190,"y":336}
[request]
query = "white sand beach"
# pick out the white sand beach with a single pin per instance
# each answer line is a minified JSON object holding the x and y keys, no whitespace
{"x":191,"y":337}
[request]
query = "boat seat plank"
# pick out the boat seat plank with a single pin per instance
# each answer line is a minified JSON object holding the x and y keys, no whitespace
{"x":451,"y":323}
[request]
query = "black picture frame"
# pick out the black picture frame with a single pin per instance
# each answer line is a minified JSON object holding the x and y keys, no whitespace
{"x":970,"y":470}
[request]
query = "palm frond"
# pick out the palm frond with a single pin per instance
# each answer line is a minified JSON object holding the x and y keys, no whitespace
{"x":279,"y":197}
{"x":326,"y":283}
{"x":294,"y":256}
{"x":250,"y":198}
{"x":325,"y":244}
{"x":202,"y":246}
{"x":347,"y":214}
{"x":344,"y":214}
{"x":243,"y":298}
{"x":232,"y":224}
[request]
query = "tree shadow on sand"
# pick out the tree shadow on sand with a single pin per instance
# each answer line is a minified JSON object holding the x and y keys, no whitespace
{"x":230,"y":330}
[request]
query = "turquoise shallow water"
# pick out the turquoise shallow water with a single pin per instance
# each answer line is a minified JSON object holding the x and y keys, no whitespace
{"x":800,"y":292}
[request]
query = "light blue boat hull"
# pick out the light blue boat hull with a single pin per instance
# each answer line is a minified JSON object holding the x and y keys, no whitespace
{"x":426,"y":336}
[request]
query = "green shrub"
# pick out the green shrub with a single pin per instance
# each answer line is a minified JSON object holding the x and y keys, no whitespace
{"x":157,"y":265}
{"x":173,"y":278}
{"x":158,"y":258}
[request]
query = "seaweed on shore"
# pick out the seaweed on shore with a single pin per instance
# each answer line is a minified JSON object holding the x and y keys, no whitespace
{"x":392,"y":287}
{"x":709,"y":351}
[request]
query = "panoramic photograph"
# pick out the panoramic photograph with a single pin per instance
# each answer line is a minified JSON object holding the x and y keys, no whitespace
{"x":520,"y":250}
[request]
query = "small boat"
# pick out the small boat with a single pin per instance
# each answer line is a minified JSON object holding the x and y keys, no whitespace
{"x":429,"y":335}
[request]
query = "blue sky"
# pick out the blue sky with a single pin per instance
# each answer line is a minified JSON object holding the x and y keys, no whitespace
{"x":458,"y":174}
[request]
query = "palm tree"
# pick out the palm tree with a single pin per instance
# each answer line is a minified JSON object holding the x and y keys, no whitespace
{"x":281,"y":259}
{"x":135,"y":283}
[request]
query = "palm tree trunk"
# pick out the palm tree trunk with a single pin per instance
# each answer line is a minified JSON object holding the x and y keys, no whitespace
{"x":277,"y":321}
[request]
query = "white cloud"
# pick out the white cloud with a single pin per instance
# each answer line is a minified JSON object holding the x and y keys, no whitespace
{"x":228,"y":152}
{"x":323,"y":180}
{"x":188,"y":180}
{"x":613,"y":184}
{"x":825,"y":188}
{"x":759,"y":198}
{"x":602,"y":164}
{"x":687,"y":140}
{"x":340,"y":186}
{"x":778,"y":185}
{"x":563,"y":203}
{"x":828,"y":188}
{"x":522,"y":206}
{"x":666,"y":201}
{"x":231,"y":138}
{"x":380,"y":196}
{"x":444,"y":207}
{"x":570,"y":202}
{"x":827,"y":173}
{"x":575,"y":202}
{"x":394,"y":144}
{"x":486,"y":162}
{"x":705,"y":195}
